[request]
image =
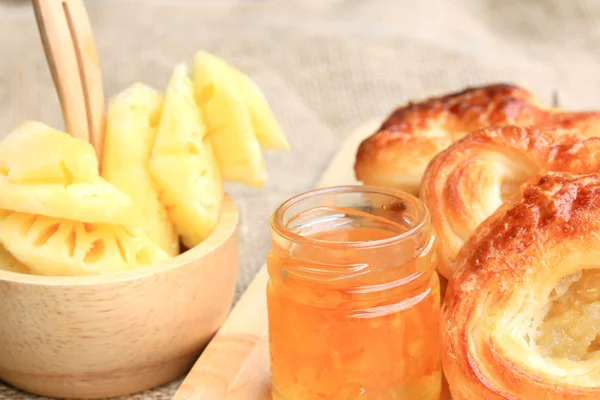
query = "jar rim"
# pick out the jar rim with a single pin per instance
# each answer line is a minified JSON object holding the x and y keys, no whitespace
{"x":279,"y":226}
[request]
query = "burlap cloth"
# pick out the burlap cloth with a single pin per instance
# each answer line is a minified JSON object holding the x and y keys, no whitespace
{"x":325,"y":65}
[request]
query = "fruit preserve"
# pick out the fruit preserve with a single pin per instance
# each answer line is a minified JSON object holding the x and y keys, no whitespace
{"x":353,"y":297}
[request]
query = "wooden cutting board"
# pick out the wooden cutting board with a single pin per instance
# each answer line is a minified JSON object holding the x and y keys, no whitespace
{"x":235,"y":365}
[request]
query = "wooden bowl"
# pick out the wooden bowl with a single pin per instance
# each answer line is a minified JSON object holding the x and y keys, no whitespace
{"x":106,"y":336}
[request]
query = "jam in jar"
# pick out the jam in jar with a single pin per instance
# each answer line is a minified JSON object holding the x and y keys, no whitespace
{"x":353,"y":297}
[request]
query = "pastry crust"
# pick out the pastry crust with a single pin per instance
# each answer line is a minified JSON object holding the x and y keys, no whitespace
{"x":396,"y":155}
{"x":504,"y":276}
{"x":467,"y":182}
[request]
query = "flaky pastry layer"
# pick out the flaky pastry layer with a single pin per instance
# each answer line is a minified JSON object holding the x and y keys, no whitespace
{"x":505,"y":276}
{"x":396,"y":155}
{"x":467,"y":182}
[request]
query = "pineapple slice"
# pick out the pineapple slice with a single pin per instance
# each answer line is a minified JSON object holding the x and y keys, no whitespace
{"x":132,"y":122}
{"x":9,"y":263}
{"x":183,"y":164}
{"x":229,"y":123}
{"x":86,"y":202}
{"x":48,"y":172}
{"x":265,"y":126}
{"x":61,"y":247}
{"x":36,"y":153}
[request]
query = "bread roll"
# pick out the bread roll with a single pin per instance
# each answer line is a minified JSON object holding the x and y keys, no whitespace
{"x":397,"y":155}
{"x":520,"y":318}
{"x":466,"y":183}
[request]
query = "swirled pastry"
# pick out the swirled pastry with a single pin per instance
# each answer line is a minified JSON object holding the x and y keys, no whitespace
{"x":398,"y":153}
{"x":468,"y":181}
{"x":521,"y":315}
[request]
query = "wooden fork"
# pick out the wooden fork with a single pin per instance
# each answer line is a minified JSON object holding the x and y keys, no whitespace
{"x":71,"y":52}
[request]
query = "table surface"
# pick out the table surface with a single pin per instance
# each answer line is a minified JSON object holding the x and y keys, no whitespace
{"x":326,"y":65}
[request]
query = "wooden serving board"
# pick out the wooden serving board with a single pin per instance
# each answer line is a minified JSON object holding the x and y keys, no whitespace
{"x":235,"y":365}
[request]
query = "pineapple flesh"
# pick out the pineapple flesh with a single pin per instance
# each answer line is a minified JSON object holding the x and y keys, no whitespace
{"x":132,"y":123}
{"x":183,"y":165}
{"x":58,"y":216}
{"x":164,"y":163}
{"x":265,"y":125}
{"x":36,"y":153}
{"x":9,"y":263}
{"x":570,"y":329}
{"x":48,"y":172}
{"x":62,"y":247}
{"x":228,"y":120}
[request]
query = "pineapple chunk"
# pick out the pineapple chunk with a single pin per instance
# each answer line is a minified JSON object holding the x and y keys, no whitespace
{"x":96,"y":202}
{"x":9,"y":263}
{"x":47,"y":172}
{"x":265,"y":126}
{"x":60,"y":247}
{"x":36,"y":153}
{"x":132,"y":122}
{"x":183,"y":165}
{"x":229,"y":124}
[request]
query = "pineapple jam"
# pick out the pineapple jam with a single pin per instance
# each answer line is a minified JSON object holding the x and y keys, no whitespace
{"x":570,"y":328}
{"x":353,"y":297}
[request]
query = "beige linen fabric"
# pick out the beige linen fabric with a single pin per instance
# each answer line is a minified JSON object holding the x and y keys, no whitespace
{"x":327,"y":66}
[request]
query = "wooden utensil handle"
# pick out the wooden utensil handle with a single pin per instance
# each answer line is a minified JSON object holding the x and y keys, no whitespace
{"x":89,"y":70}
{"x":58,"y":44}
{"x":68,"y":41}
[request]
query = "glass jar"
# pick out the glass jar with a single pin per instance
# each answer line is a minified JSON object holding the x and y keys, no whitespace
{"x":353,"y":297}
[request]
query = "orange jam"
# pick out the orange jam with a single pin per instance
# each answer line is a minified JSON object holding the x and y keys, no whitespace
{"x":353,"y":297}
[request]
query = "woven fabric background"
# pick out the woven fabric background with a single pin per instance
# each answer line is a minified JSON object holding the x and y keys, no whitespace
{"x":326,"y":65}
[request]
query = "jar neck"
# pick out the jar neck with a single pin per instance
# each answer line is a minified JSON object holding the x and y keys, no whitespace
{"x":348,"y":235}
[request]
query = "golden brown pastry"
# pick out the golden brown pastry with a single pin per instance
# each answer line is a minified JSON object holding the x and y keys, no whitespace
{"x":521,"y":316}
{"x":398,"y":153}
{"x":468,"y":181}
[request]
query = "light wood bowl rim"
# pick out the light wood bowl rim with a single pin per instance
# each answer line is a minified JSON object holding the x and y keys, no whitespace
{"x":225,"y":228}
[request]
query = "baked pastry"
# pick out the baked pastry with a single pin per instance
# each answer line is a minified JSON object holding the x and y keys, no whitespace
{"x":521,"y":315}
{"x":467,"y":182}
{"x":398,"y":153}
